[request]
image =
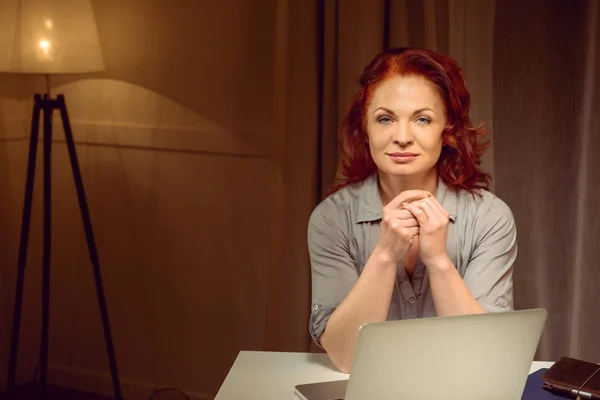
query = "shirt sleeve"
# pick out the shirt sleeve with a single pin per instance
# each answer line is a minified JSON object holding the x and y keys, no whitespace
{"x":333,"y":270}
{"x":489,"y":273}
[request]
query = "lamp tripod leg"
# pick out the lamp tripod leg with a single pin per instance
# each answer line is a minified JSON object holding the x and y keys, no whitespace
{"x":23,"y":247}
{"x":91,"y":243}
{"x":47,"y":241}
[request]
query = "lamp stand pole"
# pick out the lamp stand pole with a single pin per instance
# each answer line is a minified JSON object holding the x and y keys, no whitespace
{"x":46,"y":105}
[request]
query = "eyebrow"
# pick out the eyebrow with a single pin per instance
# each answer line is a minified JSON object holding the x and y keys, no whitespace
{"x":420,"y":110}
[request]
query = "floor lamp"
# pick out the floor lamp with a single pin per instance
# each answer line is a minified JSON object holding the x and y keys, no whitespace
{"x":49,"y":37}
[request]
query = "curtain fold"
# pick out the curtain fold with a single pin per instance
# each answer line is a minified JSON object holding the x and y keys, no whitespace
{"x":546,"y":94}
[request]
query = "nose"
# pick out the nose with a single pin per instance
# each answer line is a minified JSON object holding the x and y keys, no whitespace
{"x":402,"y":135}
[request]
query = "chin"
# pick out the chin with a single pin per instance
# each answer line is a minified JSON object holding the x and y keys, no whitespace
{"x":406,"y":170}
{"x":405,"y":174}
{"x":402,"y":170}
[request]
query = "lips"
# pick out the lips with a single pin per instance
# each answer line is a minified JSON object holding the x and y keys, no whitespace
{"x":402,"y":158}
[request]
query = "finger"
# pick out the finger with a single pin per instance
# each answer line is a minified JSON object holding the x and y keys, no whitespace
{"x":407,"y":196}
{"x":437,"y":204}
{"x":398,"y":223}
{"x":417,"y":212}
{"x":409,"y":223}
{"x":432,"y":212}
{"x":442,"y":215}
{"x":399,"y":213}
{"x":412,"y":232}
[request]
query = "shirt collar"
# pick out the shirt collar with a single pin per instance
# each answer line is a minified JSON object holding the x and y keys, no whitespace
{"x":369,"y":201}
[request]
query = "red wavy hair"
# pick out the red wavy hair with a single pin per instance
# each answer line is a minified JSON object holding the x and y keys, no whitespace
{"x":460,"y":159}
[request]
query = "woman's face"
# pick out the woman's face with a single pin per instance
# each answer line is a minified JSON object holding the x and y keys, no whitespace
{"x":405,"y":120}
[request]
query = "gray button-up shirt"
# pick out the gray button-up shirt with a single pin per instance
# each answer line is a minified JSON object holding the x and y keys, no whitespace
{"x":344,"y":229}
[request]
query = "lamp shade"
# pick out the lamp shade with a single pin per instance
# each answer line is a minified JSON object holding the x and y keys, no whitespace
{"x":49,"y":37}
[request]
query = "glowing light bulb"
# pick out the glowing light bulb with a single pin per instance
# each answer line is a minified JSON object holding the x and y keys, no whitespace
{"x":45,"y":47}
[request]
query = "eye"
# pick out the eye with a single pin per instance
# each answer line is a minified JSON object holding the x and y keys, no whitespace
{"x":423,"y":121}
{"x":384,"y":120}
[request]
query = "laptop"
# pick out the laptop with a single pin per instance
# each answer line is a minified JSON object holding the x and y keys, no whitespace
{"x":480,"y":356}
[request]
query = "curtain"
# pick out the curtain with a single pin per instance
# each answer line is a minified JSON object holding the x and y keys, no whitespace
{"x":546,"y":99}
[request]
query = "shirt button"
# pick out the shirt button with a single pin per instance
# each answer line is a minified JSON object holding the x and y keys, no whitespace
{"x":315,"y":307}
{"x":411,"y":300}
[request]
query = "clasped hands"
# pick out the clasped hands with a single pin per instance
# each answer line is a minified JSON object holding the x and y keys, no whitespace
{"x":412,"y":213}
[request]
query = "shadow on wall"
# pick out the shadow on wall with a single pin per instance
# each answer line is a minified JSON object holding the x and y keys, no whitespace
{"x":110,"y":112}
{"x":213,"y":58}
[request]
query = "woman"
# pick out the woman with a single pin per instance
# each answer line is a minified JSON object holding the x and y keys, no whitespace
{"x":414,"y":231}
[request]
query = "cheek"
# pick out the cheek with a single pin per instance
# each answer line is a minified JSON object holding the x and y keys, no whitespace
{"x":432,"y":143}
{"x":376,"y":139}
{"x":378,"y":146}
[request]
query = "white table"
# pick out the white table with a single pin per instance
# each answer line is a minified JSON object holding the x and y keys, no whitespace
{"x":273,"y":375}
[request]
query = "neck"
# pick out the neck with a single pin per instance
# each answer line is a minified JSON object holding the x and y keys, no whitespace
{"x":392,"y":186}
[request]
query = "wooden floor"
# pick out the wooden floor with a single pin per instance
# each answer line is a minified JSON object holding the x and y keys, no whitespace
{"x":31,"y":392}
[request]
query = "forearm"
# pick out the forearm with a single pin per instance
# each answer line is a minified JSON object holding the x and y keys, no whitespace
{"x":368,"y":301}
{"x":450,"y":294}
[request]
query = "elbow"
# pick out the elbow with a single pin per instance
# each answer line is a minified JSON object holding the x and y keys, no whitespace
{"x":345,"y":367}
{"x":342,"y":363}
{"x":339,"y":358}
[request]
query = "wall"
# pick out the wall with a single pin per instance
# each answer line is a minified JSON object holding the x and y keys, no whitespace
{"x":175,"y":143}
{"x":13,"y":158}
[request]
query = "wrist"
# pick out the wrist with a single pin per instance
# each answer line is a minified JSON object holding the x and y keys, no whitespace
{"x":385,"y":258}
{"x":440,"y":265}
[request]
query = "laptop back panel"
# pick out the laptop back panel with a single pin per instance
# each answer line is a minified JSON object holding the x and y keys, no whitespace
{"x":484,"y":356}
